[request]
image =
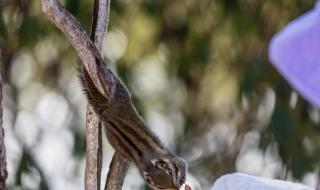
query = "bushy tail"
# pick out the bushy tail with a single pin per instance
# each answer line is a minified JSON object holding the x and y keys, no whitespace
{"x":97,"y":100}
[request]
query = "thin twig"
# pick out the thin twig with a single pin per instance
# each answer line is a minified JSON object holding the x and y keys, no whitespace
{"x":93,"y":125}
{"x":100,"y":20}
{"x":3,"y":162}
{"x":119,"y":165}
{"x":117,"y":171}
{"x":93,"y":150}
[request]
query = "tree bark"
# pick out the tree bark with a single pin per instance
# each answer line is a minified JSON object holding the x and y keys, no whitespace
{"x":3,"y":162}
{"x":93,"y":151}
{"x":100,"y":18}
{"x":117,"y":172}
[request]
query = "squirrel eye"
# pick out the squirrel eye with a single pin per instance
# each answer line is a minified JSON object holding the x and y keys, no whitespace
{"x":170,"y":172}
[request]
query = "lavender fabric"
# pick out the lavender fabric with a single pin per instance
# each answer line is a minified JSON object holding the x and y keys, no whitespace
{"x":295,"y":52}
{"x":241,"y":181}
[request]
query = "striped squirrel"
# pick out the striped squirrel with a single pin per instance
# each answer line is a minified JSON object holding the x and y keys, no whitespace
{"x":128,"y":133}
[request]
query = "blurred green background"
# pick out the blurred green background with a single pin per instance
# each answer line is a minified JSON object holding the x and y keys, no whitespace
{"x":198,"y":72}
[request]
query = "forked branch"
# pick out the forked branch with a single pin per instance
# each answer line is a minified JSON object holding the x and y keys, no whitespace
{"x":91,"y":58}
{"x":80,"y":40}
{"x":119,"y":165}
{"x":93,"y":124}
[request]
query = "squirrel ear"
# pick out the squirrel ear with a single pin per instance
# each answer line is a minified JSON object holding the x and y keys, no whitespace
{"x":154,"y":161}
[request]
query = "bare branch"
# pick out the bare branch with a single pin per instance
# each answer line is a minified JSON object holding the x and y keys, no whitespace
{"x":117,"y":170}
{"x":93,"y":125}
{"x":100,"y":20}
{"x":92,"y":60}
{"x":119,"y":165}
{"x":93,"y":150}
{"x":80,"y":40}
{"x":3,"y":162}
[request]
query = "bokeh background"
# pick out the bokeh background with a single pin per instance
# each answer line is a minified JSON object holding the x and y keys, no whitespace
{"x":198,"y":72}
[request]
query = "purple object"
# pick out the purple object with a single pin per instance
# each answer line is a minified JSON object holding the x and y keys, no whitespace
{"x":295,"y":52}
{"x":241,"y":181}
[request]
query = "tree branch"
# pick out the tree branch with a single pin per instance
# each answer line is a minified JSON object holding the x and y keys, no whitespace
{"x":83,"y":45}
{"x":3,"y":162}
{"x":93,"y":125}
{"x":100,"y":20}
{"x":117,"y":171}
{"x":93,"y":62}
{"x":93,"y":150}
{"x":119,"y":165}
